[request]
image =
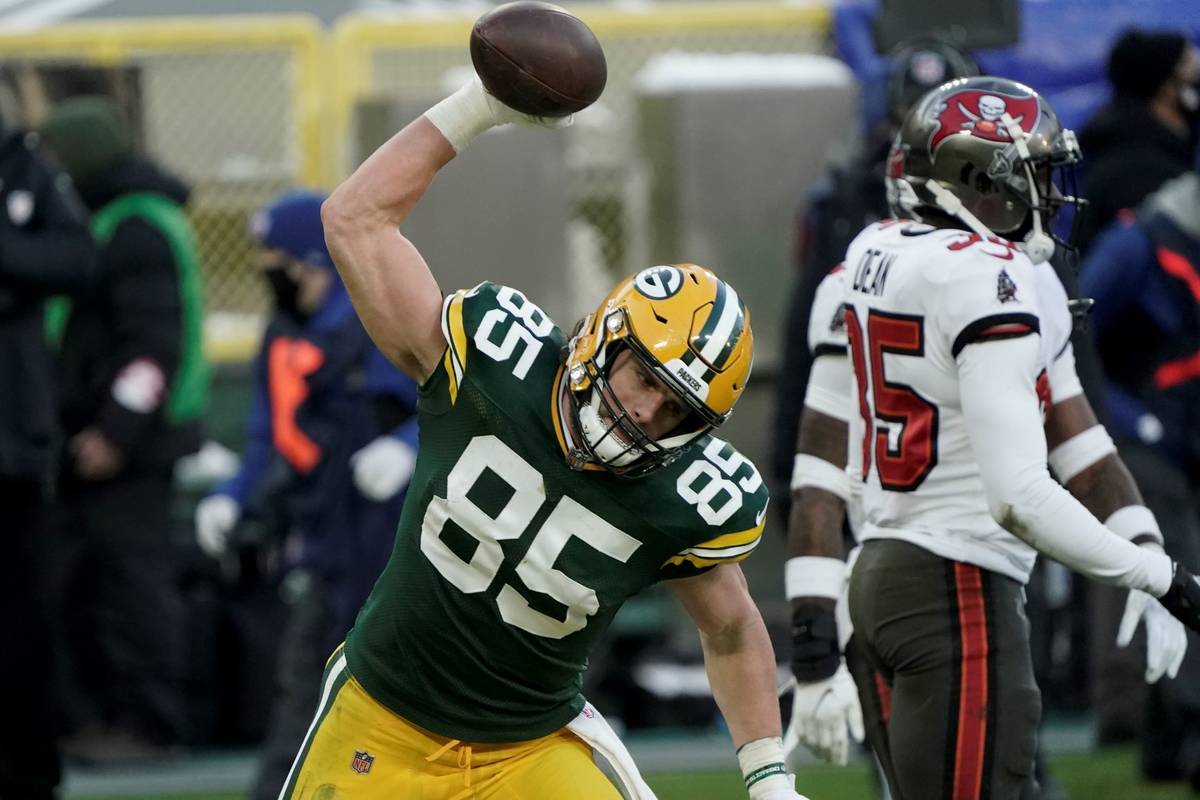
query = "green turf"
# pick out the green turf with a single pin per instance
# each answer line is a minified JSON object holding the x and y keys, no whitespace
{"x":1104,"y":775}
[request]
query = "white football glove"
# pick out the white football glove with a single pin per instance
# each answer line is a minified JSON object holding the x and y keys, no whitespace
{"x":471,"y":110}
{"x":825,"y":714}
{"x":216,"y":517}
{"x":503,"y":115}
{"x":383,"y":467}
{"x":1166,"y":638}
{"x":776,"y":787}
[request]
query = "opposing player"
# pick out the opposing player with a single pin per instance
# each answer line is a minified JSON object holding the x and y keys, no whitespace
{"x":960,"y":372}
{"x":557,"y":476}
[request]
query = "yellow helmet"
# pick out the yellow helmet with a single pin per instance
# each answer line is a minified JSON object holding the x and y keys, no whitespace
{"x":691,"y":330}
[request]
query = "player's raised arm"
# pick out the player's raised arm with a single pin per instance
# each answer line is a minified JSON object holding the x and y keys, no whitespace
{"x":395,"y":294}
{"x":543,"y":73}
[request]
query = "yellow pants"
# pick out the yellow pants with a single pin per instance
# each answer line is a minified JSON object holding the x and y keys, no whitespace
{"x":356,"y":749}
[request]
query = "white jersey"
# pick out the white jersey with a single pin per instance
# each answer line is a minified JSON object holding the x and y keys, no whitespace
{"x":909,"y":300}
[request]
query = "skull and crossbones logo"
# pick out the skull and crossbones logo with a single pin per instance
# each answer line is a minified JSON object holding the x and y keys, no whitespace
{"x":988,"y":120}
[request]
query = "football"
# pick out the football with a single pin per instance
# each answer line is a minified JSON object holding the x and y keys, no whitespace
{"x":538,"y":58}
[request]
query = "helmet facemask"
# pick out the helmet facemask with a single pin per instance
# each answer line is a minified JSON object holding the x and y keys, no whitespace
{"x":607,"y":434}
{"x":674,"y":331}
{"x":1044,"y":184}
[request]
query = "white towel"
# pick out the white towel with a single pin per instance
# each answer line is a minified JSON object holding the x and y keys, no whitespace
{"x":593,"y":729}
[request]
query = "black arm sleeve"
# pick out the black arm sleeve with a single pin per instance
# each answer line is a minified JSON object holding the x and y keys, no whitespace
{"x":53,"y":253}
{"x":144,"y":287}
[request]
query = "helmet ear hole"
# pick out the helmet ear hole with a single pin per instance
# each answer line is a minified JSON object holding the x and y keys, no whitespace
{"x":976,"y":179}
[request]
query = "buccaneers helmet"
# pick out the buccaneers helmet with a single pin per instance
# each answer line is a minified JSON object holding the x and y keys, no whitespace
{"x":989,"y":152}
{"x":691,"y":330}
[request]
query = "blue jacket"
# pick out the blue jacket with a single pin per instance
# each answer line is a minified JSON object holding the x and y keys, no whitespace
{"x":1144,"y":273}
{"x":322,"y":391}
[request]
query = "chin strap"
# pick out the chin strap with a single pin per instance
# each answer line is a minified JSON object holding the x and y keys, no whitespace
{"x":1037,"y":245}
{"x":948,"y":202}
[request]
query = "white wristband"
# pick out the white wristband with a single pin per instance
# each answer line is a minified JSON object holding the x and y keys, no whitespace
{"x":1079,"y":452}
{"x":1135,"y":523}
{"x":463,"y":115}
{"x":820,"y":474}
{"x":761,"y":759}
{"x":814,"y":576}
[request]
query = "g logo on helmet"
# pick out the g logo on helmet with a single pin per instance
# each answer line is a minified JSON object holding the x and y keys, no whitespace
{"x":658,"y":283}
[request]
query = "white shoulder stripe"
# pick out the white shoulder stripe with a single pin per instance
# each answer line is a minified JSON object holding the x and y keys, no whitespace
{"x":455,"y":356}
{"x":723,"y":552}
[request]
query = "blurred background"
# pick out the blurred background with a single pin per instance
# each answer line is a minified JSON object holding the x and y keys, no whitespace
{"x":722,"y":124}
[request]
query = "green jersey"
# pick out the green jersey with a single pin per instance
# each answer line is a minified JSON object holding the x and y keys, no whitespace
{"x":508,"y":564}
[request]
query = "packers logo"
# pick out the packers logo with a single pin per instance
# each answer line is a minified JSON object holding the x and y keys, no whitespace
{"x":659,"y":283}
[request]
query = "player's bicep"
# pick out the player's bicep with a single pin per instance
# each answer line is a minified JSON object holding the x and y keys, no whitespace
{"x":820,"y":487}
{"x":1067,"y":419}
{"x":717,"y":601}
{"x":1084,"y":458}
{"x":997,"y":389}
{"x":395,"y":296}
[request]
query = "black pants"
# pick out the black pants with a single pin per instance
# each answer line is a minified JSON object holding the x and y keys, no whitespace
{"x":121,"y":611}
{"x":940,"y":655}
{"x":29,"y":765}
{"x":1170,"y":727}
{"x":302,"y":657}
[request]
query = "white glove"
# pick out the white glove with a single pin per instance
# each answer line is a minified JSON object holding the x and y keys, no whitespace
{"x":504,"y":115}
{"x":824,"y":716}
{"x":776,"y":787}
{"x":383,"y":467}
{"x":471,"y":110}
{"x":1166,"y":638}
{"x":216,"y":516}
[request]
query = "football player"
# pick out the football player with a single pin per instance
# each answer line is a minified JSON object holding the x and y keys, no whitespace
{"x":944,"y":394}
{"x":557,"y":476}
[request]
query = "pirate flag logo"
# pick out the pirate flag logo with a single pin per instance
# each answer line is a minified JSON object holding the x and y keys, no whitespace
{"x":981,"y":114}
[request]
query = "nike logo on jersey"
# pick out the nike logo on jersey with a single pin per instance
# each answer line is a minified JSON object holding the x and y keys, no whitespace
{"x":870,"y":275}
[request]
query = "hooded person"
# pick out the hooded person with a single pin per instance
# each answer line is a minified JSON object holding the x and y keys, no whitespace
{"x":47,"y":251}
{"x":134,"y":387}
{"x":331,"y":445}
{"x":1147,"y":134}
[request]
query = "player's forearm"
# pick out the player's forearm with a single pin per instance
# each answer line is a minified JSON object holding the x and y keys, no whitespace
{"x":385,"y":187}
{"x":1105,"y":487}
{"x":393,"y":291}
{"x":740,"y":663}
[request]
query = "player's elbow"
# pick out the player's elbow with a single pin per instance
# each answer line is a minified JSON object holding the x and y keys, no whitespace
{"x":337,"y":219}
{"x":1014,"y":498}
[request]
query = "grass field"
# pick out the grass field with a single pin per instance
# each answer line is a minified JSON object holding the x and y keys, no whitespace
{"x":1104,"y":775}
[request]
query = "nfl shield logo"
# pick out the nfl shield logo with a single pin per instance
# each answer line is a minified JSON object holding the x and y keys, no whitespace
{"x":362,"y":762}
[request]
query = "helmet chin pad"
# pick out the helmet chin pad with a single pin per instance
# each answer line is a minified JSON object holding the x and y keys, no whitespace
{"x":609,"y":436}
{"x":604,"y":440}
{"x":1038,"y":245}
